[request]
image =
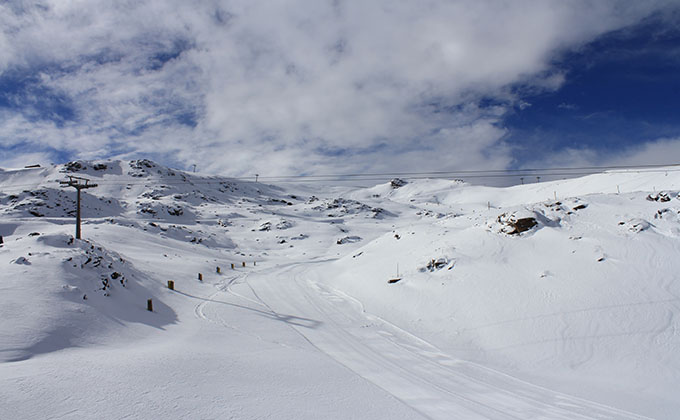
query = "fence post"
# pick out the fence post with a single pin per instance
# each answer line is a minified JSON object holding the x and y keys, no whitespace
{"x":149,"y":305}
{"x":171,"y":285}
{"x":200,"y":276}
{"x":218,"y":270}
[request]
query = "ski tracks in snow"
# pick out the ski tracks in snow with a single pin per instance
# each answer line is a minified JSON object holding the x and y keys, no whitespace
{"x":408,"y":367}
{"x":220,"y":307}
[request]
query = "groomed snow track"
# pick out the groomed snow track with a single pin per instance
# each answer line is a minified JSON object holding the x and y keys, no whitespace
{"x":412,"y":370}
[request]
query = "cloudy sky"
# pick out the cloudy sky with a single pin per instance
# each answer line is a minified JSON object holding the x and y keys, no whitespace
{"x":325,"y":87}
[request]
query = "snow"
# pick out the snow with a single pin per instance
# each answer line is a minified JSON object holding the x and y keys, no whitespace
{"x":556,"y":300}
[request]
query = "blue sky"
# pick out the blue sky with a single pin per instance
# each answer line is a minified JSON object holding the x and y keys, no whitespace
{"x":316,"y":87}
{"x":621,"y":90}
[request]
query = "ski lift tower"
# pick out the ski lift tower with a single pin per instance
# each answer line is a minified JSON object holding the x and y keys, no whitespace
{"x":79,"y":184}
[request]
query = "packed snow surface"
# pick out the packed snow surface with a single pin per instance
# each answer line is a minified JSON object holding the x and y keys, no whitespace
{"x":411,"y":299}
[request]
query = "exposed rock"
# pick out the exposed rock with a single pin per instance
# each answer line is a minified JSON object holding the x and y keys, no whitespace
{"x":284,"y":224}
{"x":660,"y":196}
{"x":513,"y":225}
{"x":430,"y":213}
{"x":342,"y":207}
{"x":276,"y":200}
{"x":175,"y":211}
{"x":660,"y":214}
{"x":139,"y":168}
{"x":348,"y":240}
{"x":435,"y":264}
{"x":74,"y":166}
{"x":397,"y":183}
{"x":637,"y":225}
{"x":22,"y":260}
{"x":147,"y":209}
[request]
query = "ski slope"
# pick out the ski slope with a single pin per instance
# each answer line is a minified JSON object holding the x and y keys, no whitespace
{"x":574,"y":318}
{"x":411,"y":369}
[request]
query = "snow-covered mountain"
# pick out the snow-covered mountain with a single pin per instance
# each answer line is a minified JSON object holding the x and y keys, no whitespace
{"x":410,"y":299}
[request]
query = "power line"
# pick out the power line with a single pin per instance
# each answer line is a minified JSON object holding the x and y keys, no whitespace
{"x":471,"y":176}
{"x":485,"y":173}
{"x":466,"y":174}
{"x":532,"y":170}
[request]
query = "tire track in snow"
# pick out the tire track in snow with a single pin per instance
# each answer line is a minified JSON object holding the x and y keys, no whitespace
{"x":411,"y":369}
{"x":225,"y":289}
{"x":471,"y":371}
{"x":199,"y":310}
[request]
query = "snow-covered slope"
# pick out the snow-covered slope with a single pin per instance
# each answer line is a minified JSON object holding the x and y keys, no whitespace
{"x":586,"y":301}
{"x":428,"y":298}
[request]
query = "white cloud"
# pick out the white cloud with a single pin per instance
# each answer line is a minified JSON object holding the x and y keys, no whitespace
{"x":663,"y":151}
{"x":568,"y":107}
{"x":287,"y":87}
{"x":655,"y":152}
{"x":23,"y":159}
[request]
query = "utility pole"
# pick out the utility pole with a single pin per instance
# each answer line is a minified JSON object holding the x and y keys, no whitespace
{"x":79,"y":184}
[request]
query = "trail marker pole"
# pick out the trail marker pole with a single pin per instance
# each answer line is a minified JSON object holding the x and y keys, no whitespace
{"x":79,"y":184}
{"x":149,"y":305}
